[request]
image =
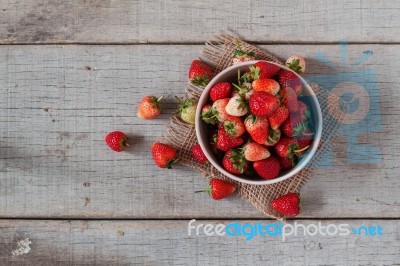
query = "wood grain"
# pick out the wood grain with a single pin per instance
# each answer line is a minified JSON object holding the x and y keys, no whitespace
{"x":125,"y":21}
{"x":58,"y":102}
{"x":168,"y":243}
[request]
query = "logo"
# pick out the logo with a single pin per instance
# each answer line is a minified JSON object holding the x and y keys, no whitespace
{"x":359,"y":88}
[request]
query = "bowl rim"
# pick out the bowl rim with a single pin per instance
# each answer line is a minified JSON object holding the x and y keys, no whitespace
{"x":305,"y":160}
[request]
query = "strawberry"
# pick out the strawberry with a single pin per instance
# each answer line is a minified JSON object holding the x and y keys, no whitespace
{"x":289,"y":99}
{"x":149,"y":107}
{"x":234,"y":126}
{"x":287,"y":205}
{"x":263,"y":104}
{"x":163,"y":154}
{"x":198,"y":154}
{"x":209,"y":114}
{"x":293,"y":126}
{"x":273,"y":137}
{"x":267,"y":70}
{"x":225,"y":142}
{"x":303,"y":111}
{"x":296,"y":63}
{"x":253,"y":151}
{"x":241,"y":56}
{"x":116,"y":140}
{"x":200,"y":73}
{"x":220,"y":111}
{"x":234,"y":162}
{"x":267,"y":85}
{"x":287,"y":147}
{"x":289,"y":79}
{"x":286,"y":163}
{"x":268,"y":168}
{"x":219,"y":189}
{"x":220,"y":90}
{"x":187,"y":110}
{"x":236,"y":106}
{"x":257,"y":127}
{"x":278,"y":117}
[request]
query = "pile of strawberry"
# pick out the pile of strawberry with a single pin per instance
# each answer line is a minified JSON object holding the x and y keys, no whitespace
{"x":259,"y":125}
{"x":246,"y":119}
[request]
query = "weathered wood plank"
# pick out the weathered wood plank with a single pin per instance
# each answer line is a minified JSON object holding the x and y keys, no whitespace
{"x":182,"y":21}
{"x":58,"y":102}
{"x":168,"y":243}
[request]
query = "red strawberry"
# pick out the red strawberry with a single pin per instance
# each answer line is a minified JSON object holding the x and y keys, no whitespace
{"x":220,"y":90}
{"x":163,"y":155}
{"x":198,"y":154}
{"x":234,"y":162}
{"x":268,"y":168}
{"x":234,"y":126}
{"x":116,"y":140}
{"x":286,"y":163}
{"x":225,"y":142}
{"x":253,"y":151}
{"x":200,"y":73}
{"x":149,"y":107}
{"x":287,"y":205}
{"x":278,"y":117}
{"x":267,"y":70}
{"x":257,"y":127}
{"x":303,"y":111}
{"x":219,"y":189}
{"x":209,"y":114}
{"x":293,"y":126}
{"x":289,"y":99}
{"x":289,"y":79}
{"x":267,"y":85}
{"x":220,"y":111}
{"x":273,"y":137}
{"x":263,"y":104}
{"x":286,"y":147}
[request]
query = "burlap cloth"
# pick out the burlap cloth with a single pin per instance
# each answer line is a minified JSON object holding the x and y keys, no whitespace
{"x":218,"y":53}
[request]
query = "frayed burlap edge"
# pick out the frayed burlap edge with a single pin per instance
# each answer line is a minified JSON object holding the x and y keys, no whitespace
{"x":218,"y":53}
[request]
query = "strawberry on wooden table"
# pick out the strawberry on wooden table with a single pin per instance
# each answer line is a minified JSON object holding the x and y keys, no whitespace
{"x":296,"y":63}
{"x":149,"y":107}
{"x":263,"y":104}
{"x":187,"y":110}
{"x":220,"y":90}
{"x":219,"y":189}
{"x":163,"y":155}
{"x":267,"y":168}
{"x":234,"y":162}
{"x":198,"y":154}
{"x":116,"y":140}
{"x":253,"y":151}
{"x":200,"y":73}
{"x":287,"y":205}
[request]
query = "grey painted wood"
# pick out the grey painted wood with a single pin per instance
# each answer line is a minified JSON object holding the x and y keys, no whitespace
{"x":168,"y":243}
{"x":58,"y":102}
{"x":127,"y":21}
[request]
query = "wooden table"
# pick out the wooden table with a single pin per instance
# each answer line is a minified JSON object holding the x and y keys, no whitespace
{"x":71,"y":71}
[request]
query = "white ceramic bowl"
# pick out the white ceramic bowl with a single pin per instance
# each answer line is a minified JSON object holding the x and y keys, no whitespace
{"x":230,"y":74}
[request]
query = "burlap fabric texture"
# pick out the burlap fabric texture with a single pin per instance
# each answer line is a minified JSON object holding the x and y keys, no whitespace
{"x":218,"y":53}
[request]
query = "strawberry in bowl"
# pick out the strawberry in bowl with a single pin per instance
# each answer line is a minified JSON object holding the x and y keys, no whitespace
{"x":265,"y":120}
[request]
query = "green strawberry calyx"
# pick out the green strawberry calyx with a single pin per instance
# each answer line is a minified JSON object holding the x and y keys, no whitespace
{"x":295,"y":66}
{"x":238,"y":160}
